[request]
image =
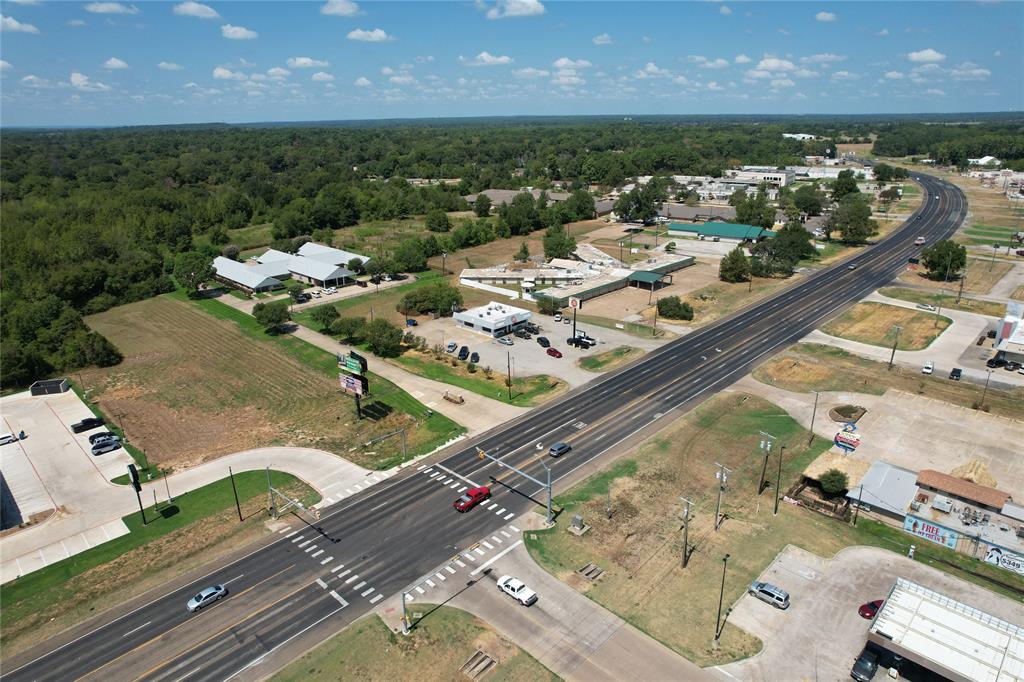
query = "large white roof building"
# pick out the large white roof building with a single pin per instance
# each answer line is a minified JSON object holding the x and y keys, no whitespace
{"x":493,"y":319}
{"x":243,"y":276}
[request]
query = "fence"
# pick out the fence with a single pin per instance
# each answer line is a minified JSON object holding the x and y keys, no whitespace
{"x":487,"y":287}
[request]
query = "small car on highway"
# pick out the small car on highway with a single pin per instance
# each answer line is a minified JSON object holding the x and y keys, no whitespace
{"x":851,"y":266}
{"x":559,"y":449}
{"x":870,"y":609}
{"x":206,"y":597}
{"x":919,"y":241}
{"x":87,"y":424}
{"x":554,"y":352}
{"x":471,"y":498}
{"x":517,"y":589}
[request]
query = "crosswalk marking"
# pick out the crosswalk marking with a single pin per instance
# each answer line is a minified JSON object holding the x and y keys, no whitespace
{"x":514,"y":529}
{"x":337,"y":568}
{"x":338,"y":597}
{"x":321,"y":583}
{"x":461,"y":565}
{"x":355,"y":577}
{"x":487,"y":545}
{"x":419,"y":589}
{"x":449,"y":569}
{"x":327,"y":561}
{"x":377,"y":599}
{"x":367,"y":592}
{"x":509,"y":516}
{"x":316,"y":554}
{"x":347,"y":571}
{"x":430,"y":582}
{"x":359,"y":585}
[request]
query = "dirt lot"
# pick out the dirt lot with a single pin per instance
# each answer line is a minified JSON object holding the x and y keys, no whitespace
{"x":981,"y":275}
{"x":722,"y":298}
{"x":624,"y":303}
{"x":193,"y":387}
{"x":873,"y":323}
{"x":502,"y":250}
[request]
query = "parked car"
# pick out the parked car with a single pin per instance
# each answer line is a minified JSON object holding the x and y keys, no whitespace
{"x":316,"y":293}
{"x":450,"y":348}
{"x":995,"y":362}
{"x":517,"y":589}
{"x":8,"y":438}
{"x":559,"y":449}
{"x":586,"y":337}
{"x":474,"y":357}
{"x":956,"y":373}
{"x":554,"y":352}
{"x":463,"y":352}
{"x":926,"y":306}
{"x":387,"y":278}
{"x":101,"y":436}
{"x":471,"y":498}
{"x":558,"y":317}
{"x":567,"y":320}
{"x":870,"y":609}
{"x":543,"y":342}
{"x":991,"y":333}
{"x":522,"y":334}
{"x":361,"y":283}
{"x":580,"y":343}
{"x":928,"y":368}
{"x":87,"y":424}
{"x":411,"y":323}
{"x":506,"y":341}
{"x":206,"y":597}
{"x":771,"y":594}
{"x":532,"y":328}
{"x":866,"y":665}
{"x":1012,"y":366}
{"x":105,"y":446}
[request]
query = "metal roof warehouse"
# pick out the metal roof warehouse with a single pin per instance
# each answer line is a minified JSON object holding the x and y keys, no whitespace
{"x":728,"y":231}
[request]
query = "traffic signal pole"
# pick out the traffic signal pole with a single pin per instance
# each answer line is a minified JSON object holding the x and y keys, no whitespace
{"x":481,"y":454}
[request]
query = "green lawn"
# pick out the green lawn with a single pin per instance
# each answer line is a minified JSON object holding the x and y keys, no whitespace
{"x":609,"y":359}
{"x":526,"y":391}
{"x":384,"y":303}
{"x":970,"y":305}
{"x":251,"y":236}
{"x":641,"y":330}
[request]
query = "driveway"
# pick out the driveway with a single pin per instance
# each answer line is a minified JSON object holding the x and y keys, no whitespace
{"x":821,"y":634}
{"x":90,"y":508}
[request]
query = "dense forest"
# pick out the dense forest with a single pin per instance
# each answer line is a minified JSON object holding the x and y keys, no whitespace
{"x":95,"y":218}
{"x":955,"y":143}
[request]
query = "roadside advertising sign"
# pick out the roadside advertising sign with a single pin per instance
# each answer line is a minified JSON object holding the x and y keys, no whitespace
{"x":575,"y":303}
{"x":355,"y":384}
{"x":930,"y":531}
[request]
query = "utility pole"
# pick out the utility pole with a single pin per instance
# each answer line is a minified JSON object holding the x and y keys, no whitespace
{"x":270,"y":495}
{"x":963,"y":278}
{"x":766,"y":448}
{"x":509,"y":360}
{"x":444,"y":273}
{"x":686,"y":532}
{"x":778,"y":480}
{"x":654,"y":332}
{"x":985,"y":392}
{"x":860,"y":496}
{"x":721,"y":596}
{"x":722,"y":475}
{"x":231,"y":475}
{"x":168,"y":488}
{"x":620,"y":253}
{"x":574,"y":323}
{"x":810,"y":437}
{"x":995,"y":248}
{"x":501,"y":464}
{"x":405,"y":616}
{"x":608,"y":507}
{"x":895,"y":341}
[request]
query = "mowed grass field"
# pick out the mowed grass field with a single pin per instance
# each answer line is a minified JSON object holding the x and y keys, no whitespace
{"x":194,"y":386}
{"x":981,"y":275}
{"x":873,"y":323}
{"x":970,"y":305}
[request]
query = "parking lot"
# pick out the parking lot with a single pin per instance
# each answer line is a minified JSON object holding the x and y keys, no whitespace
{"x":527,"y":357}
{"x":821,"y":633}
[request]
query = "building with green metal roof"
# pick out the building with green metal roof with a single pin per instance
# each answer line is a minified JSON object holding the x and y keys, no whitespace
{"x":723,"y":231}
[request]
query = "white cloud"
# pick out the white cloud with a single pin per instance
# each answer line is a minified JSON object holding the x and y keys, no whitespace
{"x":363,"y":82}
{"x":681,"y":80}
{"x":75,"y":23}
{"x":934,"y":91}
{"x":603,"y":39}
{"x":724,"y":10}
{"x":825,"y":16}
{"x":881,"y":34}
{"x":646,"y":40}
{"x":530,"y":72}
{"x":321,"y":77}
{"x":567,"y":78}
{"x":277,"y":73}
{"x":997,"y":53}
{"x":742,"y":59}
{"x":25,"y":2}
{"x":4,"y":65}
{"x":223,"y":74}
{"x":486,"y":59}
{"x":566,"y":63}
{"x":805,"y":73}
{"x":386,"y":70}
{"x":306,"y":63}
{"x":169,"y":66}
{"x":893,"y":75}
{"x":237,"y":32}
{"x":652,"y":70}
{"x":505,"y":9}
{"x":196,"y":9}
{"x":782,"y":83}
{"x":715,"y":86}
{"x":340,"y":8}
{"x":823,"y":58}
{"x":32,"y":81}
{"x":714,"y":64}
{"x":111,"y":8}
{"x":424,"y":58}
{"x":783,"y":31}
{"x":82,"y":82}
{"x":402,"y":79}
{"x":775,"y":64}
{"x":844,"y":76}
{"x":926,"y":55}
{"x":377,"y":35}
{"x":12,"y":25}
{"x":114,"y":63}
{"x":969,"y":71}
{"x":758,"y":73}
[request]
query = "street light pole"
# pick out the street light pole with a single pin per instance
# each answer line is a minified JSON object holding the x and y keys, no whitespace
{"x":766,"y":448}
{"x":723,"y":474}
{"x":984,"y":393}
{"x":686,"y":532}
{"x":814,"y":413}
{"x":895,"y":341}
{"x":778,"y":480}
{"x":444,"y":268}
{"x":721,"y":597}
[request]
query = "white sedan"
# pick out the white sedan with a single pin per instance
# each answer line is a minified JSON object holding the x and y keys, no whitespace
{"x":928,"y":368}
{"x":517,"y":589}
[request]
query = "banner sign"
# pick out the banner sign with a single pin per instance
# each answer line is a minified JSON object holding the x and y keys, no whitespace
{"x":930,"y":531}
{"x":354,"y":384}
{"x":1004,"y":558}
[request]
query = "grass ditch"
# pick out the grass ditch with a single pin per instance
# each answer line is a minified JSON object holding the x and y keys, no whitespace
{"x":602,"y":362}
{"x":526,"y":391}
{"x":873,"y":323}
{"x":196,"y":528}
{"x":948,"y":301}
{"x":436,"y":649}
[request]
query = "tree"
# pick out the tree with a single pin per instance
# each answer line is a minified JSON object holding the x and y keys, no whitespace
{"x":755,"y":210}
{"x":439,"y":298}
{"x":845,"y":184}
{"x":547,"y":306}
{"x":738,"y":195}
{"x":355,"y":265}
{"x":482,"y":206}
{"x":230,"y":251}
{"x":887,"y":196}
{"x":437,"y":220}
{"x":383,"y":338}
{"x":794,"y":241}
{"x":674,"y":309}
{"x":349,"y":329}
{"x":833,"y":482}
{"x":523,"y":254}
{"x":558,"y":243}
{"x":271,"y":315}
{"x":771,"y":257}
{"x":942,"y":257}
{"x":324,"y":315}
{"x":192,"y":269}
{"x":852,"y":220}
{"x":735,"y":267}
{"x":294,"y":290}
{"x":809,"y":199}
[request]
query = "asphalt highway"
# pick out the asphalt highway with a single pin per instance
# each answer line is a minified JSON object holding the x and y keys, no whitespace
{"x":314,"y":581}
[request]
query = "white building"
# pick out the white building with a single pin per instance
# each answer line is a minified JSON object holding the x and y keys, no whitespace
{"x":984,"y":161}
{"x":1010,"y":334}
{"x":327,"y":254}
{"x":493,"y":319}
{"x":798,"y":136}
{"x":242,"y":276}
{"x":758,"y":174}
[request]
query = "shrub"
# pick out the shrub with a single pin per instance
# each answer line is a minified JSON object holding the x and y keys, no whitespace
{"x":674,"y":309}
{"x":833,"y":482}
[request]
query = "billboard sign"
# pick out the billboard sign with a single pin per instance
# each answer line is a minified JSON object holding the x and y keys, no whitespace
{"x":354,"y":384}
{"x":930,"y":531}
{"x":353,"y":362}
{"x":1004,"y":558}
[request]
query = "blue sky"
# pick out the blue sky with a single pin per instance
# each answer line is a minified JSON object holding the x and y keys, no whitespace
{"x":117,"y":63}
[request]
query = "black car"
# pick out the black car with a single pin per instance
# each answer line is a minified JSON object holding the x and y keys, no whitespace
{"x":463,"y":352}
{"x":543,"y":342}
{"x":995,"y":362}
{"x":474,"y":357}
{"x":87,"y":424}
{"x":866,"y":665}
{"x":532,"y":328}
{"x":1012,"y":366}
{"x":522,"y":334}
{"x":956,"y":373}
{"x":361,"y":282}
{"x":103,"y":435}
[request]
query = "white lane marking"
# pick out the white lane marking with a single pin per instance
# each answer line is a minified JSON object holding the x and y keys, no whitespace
{"x":298,"y":538}
{"x":479,"y":551}
{"x":496,"y":539}
{"x":347,"y":571}
{"x":233,"y":579}
{"x":487,"y":545}
{"x":355,"y":577}
{"x":461,"y":565}
{"x":440,"y":577}
{"x":327,"y":561}
{"x":359,"y":585}
{"x":137,"y":629}
{"x":430,"y":582}
{"x":496,"y":557}
{"x":364,"y":594}
{"x":337,"y":568}
{"x":305,"y":543}
{"x":377,"y":599}
{"x":450,"y":570}
{"x":514,"y":529}
{"x":512,"y":515}
{"x":338,"y":597}
{"x":321,"y":583}
{"x":419,"y":589}
{"x":492,"y":506}
{"x":316,"y":554}
{"x":187,"y":674}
